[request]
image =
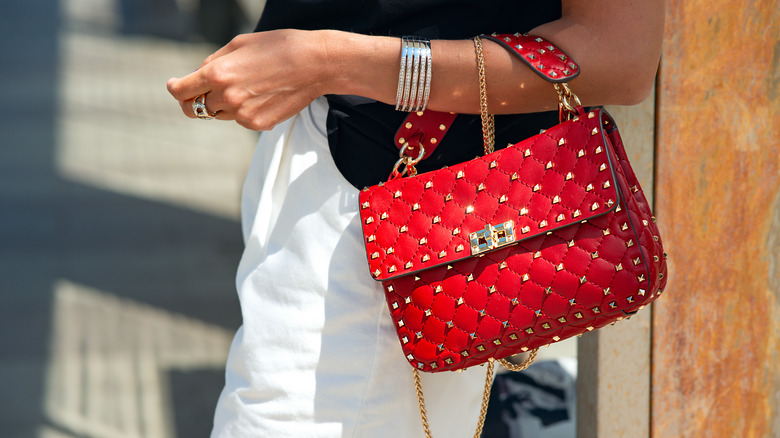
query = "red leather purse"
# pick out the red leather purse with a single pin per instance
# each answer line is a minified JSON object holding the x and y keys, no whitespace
{"x":529,"y":245}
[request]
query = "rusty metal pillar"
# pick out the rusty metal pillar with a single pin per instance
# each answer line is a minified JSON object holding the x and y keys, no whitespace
{"x":716,"y":332}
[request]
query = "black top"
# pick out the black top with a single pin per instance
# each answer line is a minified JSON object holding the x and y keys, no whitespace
{"x":360,"y":130}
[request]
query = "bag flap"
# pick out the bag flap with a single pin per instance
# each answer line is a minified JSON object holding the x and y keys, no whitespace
{"x":559,"y":177}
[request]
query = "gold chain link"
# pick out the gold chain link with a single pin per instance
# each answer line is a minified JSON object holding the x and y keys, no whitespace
{"x":519,"y":367}
{"x":482,"y":409}
{"x":488,"y":123}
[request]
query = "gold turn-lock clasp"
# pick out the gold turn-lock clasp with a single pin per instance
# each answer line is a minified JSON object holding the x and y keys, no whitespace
{"x":492,"y":237}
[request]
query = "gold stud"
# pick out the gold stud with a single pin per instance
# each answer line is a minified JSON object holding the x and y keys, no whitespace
{"x":436,"y":219}
{"x":537,"y":187}
{"x":480,"y":187}
{"x":513,"y":337}
{"x":576,"y":213}
{"x":538,"y":313}
{"x":442,"y":254}
{"x":606,"y":232}
{"x":580,"y":153}
{"x":561,"y":142}
{"x":562,"y":319}
{"x":374,"y":256}
{"x":630,"y":243}
{"x":606,"y":184}
{"x":573,"y":302}
{"x":415,"y":207}
{"x":569,"y":176}
{"x":459,"y":248}
{"x":515,"y":176}
{"x":529,"y":330}
{"x":390,"y":288}
{"x":594,"y":255}
{"x":383,"y":215}
{"x":641,"y":278}
{"x":549,"y":165}
{"x":619,"y":267}
{"x":546,"y":326}
{"x":371,"y":238}
{"x":502,"y":199}
{"x":537,"y":254}
{"x":607,"y":291}
{"x":624,"y":227}
{"x":515,"y":301}
{"x":460,"y":174}
{"x":613,"y":305}
{"x":502,"y":265}
{"x":578,"y":315}
{"x":618,"y":209}
{"x":594,"y":131}
{"x":548,"y":290}
{"x":599,"y":150}
{"x":656,"y":259}
{"x":449,"y":267}
{"x":637,"y":261}
{"x":370,"y":220}
{"x":556,"y":199}
{"x":556,"y":338}
{"x":401,"y":140}
{"x":560,"y":218}
{"x":469,"y":209}
{"x":594,"y":207}
{"x":589,"y":187}
{"x":570,"y":243}
{"x":596,"y":310}
{"x":527,"y":153}
{"x":400,"y":323}
{"x":434,"y":140}
{"x":390,"y":250}
{"x":442,"y":127}
{"x":630,"y":299}
{"x":523,"y":211}
{"x":426,"y":257}
{"x":542,"y":224}
{"x":456,"y":231}
{"x":583,"y":279}
{"x":493,"y":164}
{"x":408,"y":125}
{"x":423,"y":241}
{"x":470,"y":277}
{"x":448,"y":197}
{"x":448,"y":361}
{"x":428,"y":184}
{"x":559,"y":267}
{"x":526,"y":277}
{"x":525,"y":229}
{"x":391,"y":269}
{"x":377,"y":273}
{"x":480,"y":348}
{"x":408,"y":265}
{"x":642,"y":292}
{"x":460,"y":301}
{"x":603,"y":167}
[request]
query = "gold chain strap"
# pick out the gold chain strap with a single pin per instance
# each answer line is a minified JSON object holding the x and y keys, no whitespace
{"x":482,"y":410}
{"x":488,"y":123}
{"x":488,"y":137}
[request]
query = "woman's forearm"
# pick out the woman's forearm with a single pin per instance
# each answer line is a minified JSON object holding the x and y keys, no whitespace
{"x":618,"y":54}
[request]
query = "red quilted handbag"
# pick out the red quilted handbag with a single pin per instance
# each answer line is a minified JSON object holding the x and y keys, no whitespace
{"x":529,"y":245}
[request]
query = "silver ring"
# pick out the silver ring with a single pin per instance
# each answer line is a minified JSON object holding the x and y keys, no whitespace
{"x":199,"y":108}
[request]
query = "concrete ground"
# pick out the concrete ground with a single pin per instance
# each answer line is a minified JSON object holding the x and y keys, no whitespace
{"x":119,"y":231}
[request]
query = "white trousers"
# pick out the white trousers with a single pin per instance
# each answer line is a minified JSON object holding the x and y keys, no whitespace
{"x":317,"y":354}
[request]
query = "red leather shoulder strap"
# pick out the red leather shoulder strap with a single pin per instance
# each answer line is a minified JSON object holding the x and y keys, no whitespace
{"x":549,"y":62}
{"x":423,"y":128}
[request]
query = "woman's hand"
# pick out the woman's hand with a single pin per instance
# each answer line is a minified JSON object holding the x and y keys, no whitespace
{"x":259,"y":79}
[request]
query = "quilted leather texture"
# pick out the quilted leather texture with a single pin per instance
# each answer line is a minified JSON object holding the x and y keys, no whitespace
{"x":586,"y":251}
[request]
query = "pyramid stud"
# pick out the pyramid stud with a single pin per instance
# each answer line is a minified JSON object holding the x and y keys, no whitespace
{"x":561,"y":142}
{"x":426,"y":257}
{"x":569,"y":176}
{"x":556,"y":199}
{"x":606,"y":185}
{"x":415,"y":207}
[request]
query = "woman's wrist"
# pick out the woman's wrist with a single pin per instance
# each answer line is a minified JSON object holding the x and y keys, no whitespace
{"x":360,"y":65}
